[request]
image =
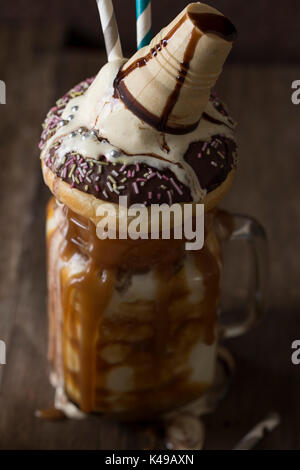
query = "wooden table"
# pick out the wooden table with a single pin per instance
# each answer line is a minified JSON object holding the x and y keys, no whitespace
{"x":38,"y":69}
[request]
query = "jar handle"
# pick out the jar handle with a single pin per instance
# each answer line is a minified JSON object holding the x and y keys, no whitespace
{"x":250,"y":231}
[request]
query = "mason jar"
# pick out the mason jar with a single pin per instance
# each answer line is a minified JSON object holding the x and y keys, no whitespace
{"x":134,"y":324}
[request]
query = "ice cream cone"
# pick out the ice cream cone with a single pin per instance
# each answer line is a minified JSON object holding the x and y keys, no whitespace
{"x":168,"y":83}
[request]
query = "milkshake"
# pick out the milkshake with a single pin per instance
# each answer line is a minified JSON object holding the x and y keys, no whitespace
{"x":133,"y":324}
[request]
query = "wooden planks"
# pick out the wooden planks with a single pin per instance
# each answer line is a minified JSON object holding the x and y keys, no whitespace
{"x":37,"y":71}
{"x":23,"y":323}
{"x":266,"y":187}
{"x":25,"y":76}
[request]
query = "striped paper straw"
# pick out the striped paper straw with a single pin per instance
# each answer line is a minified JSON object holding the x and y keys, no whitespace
{"x":143,"y":22}
{"x":110,"y":30}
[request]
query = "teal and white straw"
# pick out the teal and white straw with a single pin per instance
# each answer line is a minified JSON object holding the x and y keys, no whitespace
{"x":143,"y":22}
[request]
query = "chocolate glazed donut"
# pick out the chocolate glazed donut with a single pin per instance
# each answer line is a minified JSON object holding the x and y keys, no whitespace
{"x":212,"y":160}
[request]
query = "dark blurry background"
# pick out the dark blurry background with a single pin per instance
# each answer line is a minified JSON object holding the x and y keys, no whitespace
{"x":46,"y":47}
{"x":268,"y":29}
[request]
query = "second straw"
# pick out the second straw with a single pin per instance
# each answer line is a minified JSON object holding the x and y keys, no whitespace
{"x":143,"y":23}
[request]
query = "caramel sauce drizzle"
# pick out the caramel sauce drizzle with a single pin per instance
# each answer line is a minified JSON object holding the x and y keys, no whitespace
{"x":85,"y":326}
{"x":50,"y":414}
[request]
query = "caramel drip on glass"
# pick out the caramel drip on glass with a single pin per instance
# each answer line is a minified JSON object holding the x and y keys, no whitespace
{"x":170,"y":327}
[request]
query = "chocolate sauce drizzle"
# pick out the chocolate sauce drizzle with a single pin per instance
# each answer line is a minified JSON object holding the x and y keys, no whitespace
{"x":205,"y":22}
{"x":211,"y":119}
{"x":214,"y":24}
{"x":185,"y":65}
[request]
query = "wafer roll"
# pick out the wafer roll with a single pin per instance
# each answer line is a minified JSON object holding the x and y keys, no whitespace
{"x":168,"y":83}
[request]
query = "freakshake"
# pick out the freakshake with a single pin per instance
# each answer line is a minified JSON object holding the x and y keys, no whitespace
{"x":133,"y":323}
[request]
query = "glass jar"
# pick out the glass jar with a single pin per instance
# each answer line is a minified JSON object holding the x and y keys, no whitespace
{"x":133,"y":324}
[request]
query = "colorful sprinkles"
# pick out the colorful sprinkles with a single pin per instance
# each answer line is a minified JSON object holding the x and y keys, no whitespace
{"x":83,"y":174}
{"x":216,"y":159}
{"x":53,"y":118}
{"x":138,"y":181}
